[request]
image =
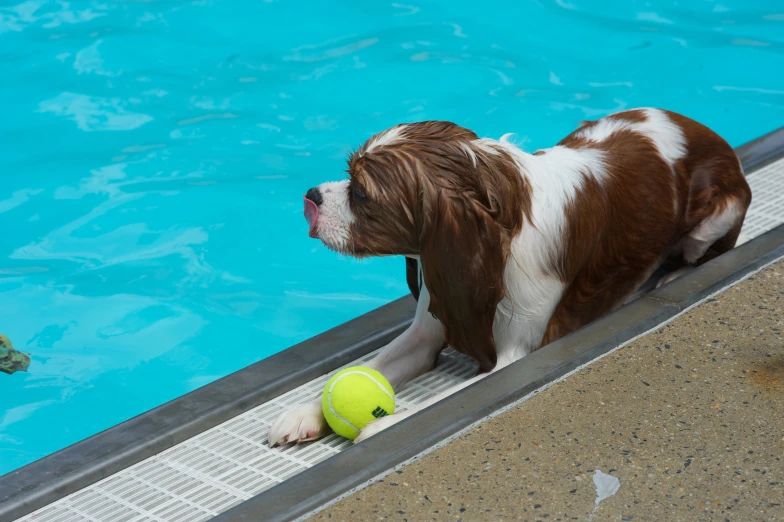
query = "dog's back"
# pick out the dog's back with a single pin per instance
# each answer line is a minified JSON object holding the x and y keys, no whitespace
{"x":671,"y":188}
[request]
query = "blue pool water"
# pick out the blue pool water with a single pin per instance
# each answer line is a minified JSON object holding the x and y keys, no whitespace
{"x":153,"y":156}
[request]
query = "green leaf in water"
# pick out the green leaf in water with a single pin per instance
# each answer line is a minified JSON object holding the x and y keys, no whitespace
{"x":11,"y":360}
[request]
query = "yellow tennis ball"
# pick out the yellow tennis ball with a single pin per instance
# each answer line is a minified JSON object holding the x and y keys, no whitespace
{"x":355,"y":397}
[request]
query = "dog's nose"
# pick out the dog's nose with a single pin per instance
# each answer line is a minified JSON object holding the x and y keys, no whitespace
{"x":314,"y":195}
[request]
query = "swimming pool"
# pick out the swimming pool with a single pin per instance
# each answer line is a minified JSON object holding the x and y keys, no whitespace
{"x":153,"y":156}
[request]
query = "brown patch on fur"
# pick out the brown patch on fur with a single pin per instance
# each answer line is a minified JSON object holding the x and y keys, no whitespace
{"x":618,"y":233}
{"x":634,"y":116}
{"x":435,"y":193}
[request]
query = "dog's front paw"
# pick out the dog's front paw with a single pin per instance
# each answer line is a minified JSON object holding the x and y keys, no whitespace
{"x":379,"y":425}
{"x":301,"y":424}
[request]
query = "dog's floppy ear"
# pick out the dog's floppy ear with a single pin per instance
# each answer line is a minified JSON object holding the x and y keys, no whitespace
{"x":463,"y":256}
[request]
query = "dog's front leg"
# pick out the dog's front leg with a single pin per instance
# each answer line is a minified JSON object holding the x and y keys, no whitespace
{"x":516,"y":335}
{"x":408,"y":356}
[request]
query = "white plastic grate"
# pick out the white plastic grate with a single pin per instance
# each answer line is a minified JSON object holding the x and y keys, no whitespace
{"x":215,"y":470}
{"x":767,"y":199}
{"x":221,"y":467}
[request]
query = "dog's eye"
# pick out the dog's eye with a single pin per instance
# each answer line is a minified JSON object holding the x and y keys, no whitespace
{"x":359,"y":192}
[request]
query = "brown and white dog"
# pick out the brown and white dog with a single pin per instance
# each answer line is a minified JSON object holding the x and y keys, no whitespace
{"x":509,"y":251}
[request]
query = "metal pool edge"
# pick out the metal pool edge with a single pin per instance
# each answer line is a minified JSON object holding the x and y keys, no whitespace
{"x":325,"y":483}
{"x":761,"y":151}
{"x":57,"y":475}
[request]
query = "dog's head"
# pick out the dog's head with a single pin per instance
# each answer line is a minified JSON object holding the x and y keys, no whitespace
{"x":431,"y":190}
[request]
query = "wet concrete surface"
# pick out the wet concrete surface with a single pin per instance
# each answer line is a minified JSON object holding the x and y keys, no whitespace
{"x":689,"y":419}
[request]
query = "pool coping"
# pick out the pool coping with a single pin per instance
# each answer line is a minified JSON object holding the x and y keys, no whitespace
{"x":57,"y":475}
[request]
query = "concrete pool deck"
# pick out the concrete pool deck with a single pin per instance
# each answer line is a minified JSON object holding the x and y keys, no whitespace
{"x":689,"y":419}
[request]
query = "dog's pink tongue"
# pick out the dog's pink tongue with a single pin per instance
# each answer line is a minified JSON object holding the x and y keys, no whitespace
{"x":311,"y":214}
